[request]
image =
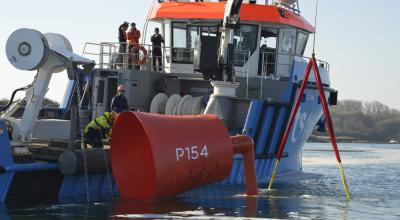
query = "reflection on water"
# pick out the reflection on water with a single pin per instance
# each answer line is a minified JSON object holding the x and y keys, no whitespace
{"x":373,"y":173}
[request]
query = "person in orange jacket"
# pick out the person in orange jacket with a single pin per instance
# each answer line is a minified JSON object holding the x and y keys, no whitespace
{"x":133,"y":36}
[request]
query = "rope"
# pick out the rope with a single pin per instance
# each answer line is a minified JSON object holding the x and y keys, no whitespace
{"x":311,"y":65}
{"x":105,"y":156}
{"x":315,"y":25}
{"x":107,"y":169}
{"x":86,"y":174}
{"x":80,"y":101}
{"x":146,"y":24}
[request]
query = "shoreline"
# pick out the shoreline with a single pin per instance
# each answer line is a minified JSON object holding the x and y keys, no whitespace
{"x":346,"y":139}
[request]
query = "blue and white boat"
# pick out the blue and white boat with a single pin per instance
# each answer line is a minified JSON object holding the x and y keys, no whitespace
{"x":268,"y":66}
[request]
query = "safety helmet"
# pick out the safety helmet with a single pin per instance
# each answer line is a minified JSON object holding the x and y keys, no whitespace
{"x":113,"y":115}
{"x":121,"y":88}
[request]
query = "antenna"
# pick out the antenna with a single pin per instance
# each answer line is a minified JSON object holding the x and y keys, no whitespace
{"x":315,"y":25}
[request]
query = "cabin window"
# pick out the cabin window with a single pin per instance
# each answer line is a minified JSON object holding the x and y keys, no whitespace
{"x":245,"y":42}
{"x":268,"y":45}
{"x":209,"y":31}
{"x":183,"y":38}
{"x":301,"y":43}
{"x":100,"y":92}
{"x":286,"y":51}
{"x":288,"y":38}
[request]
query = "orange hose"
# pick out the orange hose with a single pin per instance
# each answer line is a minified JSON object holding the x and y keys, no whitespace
{"x":244,"y":145}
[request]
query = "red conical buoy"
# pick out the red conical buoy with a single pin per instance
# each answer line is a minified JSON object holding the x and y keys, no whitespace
{"x":155,"y":156}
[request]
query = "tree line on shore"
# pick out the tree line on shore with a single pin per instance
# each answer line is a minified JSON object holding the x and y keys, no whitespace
{"x":48,"y":103}
{"x":366,"y":121}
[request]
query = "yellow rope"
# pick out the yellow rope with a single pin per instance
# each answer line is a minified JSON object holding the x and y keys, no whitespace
{"x":346,"y":188}
{"x":273,"y":175}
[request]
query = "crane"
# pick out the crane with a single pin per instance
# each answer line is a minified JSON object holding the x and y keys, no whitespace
{"x":49,"y":53}
{"x":226,"y":47}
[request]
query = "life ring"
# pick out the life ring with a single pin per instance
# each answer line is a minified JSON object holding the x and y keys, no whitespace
{"x":135,"y":58}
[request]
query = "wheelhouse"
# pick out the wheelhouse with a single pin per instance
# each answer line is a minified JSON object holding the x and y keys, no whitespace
{"x":266,"y":42}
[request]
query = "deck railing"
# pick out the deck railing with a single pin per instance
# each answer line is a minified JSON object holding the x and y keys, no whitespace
{"x":112,"y":55}
{"x":292,"y":5}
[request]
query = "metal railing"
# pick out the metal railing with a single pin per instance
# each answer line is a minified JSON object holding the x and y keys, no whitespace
{"x":269,"y":66}
{"x":269,"y":62}
{"x":292,"y":5}
{"x":321,"y":63}
{"x":114,"y":55}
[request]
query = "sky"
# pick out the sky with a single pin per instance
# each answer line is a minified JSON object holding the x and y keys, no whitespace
{"x":360,"y":39}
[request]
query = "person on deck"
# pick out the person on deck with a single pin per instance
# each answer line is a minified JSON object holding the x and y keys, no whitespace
{"x":119,"y":103}
{"x":156,"y":41}
{"x":98,"y":129}
{"x":122,"y":39}
{"x":133,"y":36}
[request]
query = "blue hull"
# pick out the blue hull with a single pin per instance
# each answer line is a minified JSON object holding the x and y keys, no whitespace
{"x":266,"y":124}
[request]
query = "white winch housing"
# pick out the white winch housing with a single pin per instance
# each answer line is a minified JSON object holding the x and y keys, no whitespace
{"x":29,"y":50}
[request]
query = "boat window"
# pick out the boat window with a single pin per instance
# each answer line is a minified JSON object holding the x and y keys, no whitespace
{"x":268,"y":45}
{"x":301,"y":43}
{"x":245,"y":43}
{"x":183,"y":40}
{"x":209,"y":31}
{"x":100,"y":92}
{"x":269,"y":40}
{"x":288,"y":38}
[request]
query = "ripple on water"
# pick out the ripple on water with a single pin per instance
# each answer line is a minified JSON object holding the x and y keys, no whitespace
{"x":373,"y":174}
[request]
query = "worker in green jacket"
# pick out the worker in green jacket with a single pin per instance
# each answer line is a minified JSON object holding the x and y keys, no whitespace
{"x":98,"y":129}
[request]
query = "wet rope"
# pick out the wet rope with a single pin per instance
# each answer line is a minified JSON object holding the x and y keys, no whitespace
{"x":107,"y":168}
{"x":81,"y":126}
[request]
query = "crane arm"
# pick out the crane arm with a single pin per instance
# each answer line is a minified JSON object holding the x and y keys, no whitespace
{"x":231,"y":19}
{"x":29,"y":49}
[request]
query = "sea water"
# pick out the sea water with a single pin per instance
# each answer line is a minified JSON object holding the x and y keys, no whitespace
{"x":372,"y":171}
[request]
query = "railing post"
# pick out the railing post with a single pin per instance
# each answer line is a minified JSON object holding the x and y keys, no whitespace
{"x":247,"y":71}
{"x":101,"y":56}
{"x":262,"y":75}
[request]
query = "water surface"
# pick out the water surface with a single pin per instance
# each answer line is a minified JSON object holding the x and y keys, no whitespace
{"x":372,"y":171}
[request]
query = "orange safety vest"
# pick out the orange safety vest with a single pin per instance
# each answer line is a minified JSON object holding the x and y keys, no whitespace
{"x":133,"y":37}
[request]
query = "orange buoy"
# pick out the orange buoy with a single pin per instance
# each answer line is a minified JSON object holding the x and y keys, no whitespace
{"x":156,"y":156}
